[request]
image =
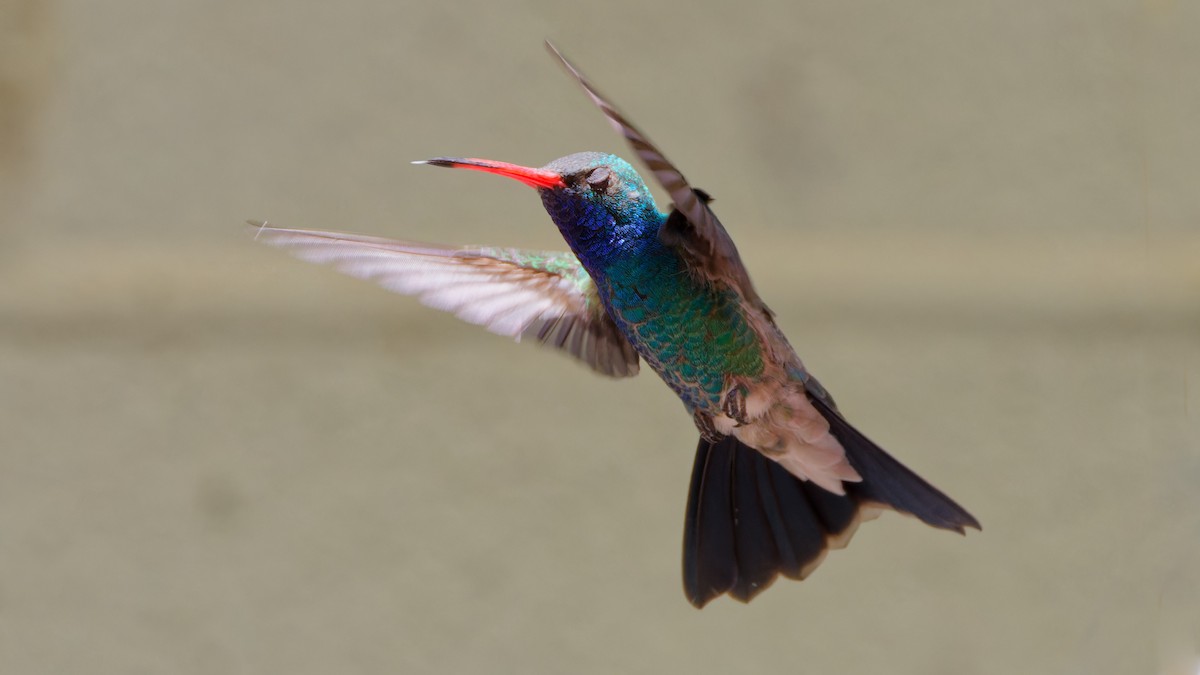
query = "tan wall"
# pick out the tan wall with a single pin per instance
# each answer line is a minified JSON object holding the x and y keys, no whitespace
{"x":978,"y":222}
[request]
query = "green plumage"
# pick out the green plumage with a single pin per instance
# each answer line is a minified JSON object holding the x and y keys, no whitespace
{"x":694,"y":335}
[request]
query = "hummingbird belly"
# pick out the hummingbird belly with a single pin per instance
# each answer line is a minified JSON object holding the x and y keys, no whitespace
{"x":695,"y":335}
{"x":698,"y":337}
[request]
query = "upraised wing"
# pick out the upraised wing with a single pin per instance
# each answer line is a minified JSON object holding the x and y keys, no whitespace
{"x":692,"y":227}
{"x":544,"y":295}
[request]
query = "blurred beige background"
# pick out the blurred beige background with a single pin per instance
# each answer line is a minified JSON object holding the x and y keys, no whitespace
{"x":979,"y":222}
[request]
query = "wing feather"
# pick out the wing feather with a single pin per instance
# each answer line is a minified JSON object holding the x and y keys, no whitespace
{"x":692,"y":226}
{"x":546,"y":296}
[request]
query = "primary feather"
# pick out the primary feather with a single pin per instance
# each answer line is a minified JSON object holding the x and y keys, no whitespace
{"x":692,"y":227}
{"x":547,"y":296}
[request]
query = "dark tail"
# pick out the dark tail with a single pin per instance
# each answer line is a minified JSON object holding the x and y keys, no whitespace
{"x":750,"y":520}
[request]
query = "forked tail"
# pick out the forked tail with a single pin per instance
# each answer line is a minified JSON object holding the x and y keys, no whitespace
{"x":750,"y":520}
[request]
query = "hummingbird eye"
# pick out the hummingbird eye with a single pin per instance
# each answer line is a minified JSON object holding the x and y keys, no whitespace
{"x":599,"y":178}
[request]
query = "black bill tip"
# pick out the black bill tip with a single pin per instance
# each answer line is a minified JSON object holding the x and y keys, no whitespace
{"x":448,"y":162}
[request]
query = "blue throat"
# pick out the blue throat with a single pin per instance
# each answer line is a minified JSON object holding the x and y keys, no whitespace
{"x":604,"y":229}
{"x":598,"y":237}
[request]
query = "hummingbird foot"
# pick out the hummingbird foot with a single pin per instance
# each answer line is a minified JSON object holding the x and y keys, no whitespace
{"x":747,"y":399}
{"x":734,"y":405}
{"x":708,"y":430}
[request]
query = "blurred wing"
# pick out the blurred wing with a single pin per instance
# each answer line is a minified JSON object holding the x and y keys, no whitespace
{"x":544,"y":295}
{"x":692,"y":227}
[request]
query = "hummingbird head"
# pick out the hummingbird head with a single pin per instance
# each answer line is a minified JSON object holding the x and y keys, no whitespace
{"x":597,"y":200}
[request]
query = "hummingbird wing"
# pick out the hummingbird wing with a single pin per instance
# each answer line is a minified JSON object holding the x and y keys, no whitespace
{"x":544,"y":295}
{"x":692,"y":227}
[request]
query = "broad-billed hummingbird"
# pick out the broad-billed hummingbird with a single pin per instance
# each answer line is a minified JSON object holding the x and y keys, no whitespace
{"x":780,"y":477}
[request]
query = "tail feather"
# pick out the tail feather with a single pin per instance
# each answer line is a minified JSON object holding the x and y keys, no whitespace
{"x":757,"y":549}
{"x":709,"y":563}
{"x":889,"y":483}
{"x":805,"y":531}
{"x":750,"y":520}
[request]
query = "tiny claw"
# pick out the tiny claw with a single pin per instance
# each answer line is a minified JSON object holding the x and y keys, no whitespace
{"x":734,"y":405}
{"x":704,"y":422}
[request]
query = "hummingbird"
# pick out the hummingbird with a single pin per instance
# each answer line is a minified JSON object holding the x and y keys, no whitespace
{"x":780,"y":476}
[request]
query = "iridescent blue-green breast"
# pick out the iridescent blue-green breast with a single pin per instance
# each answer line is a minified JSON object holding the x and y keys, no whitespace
{"x":692,"y":333}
